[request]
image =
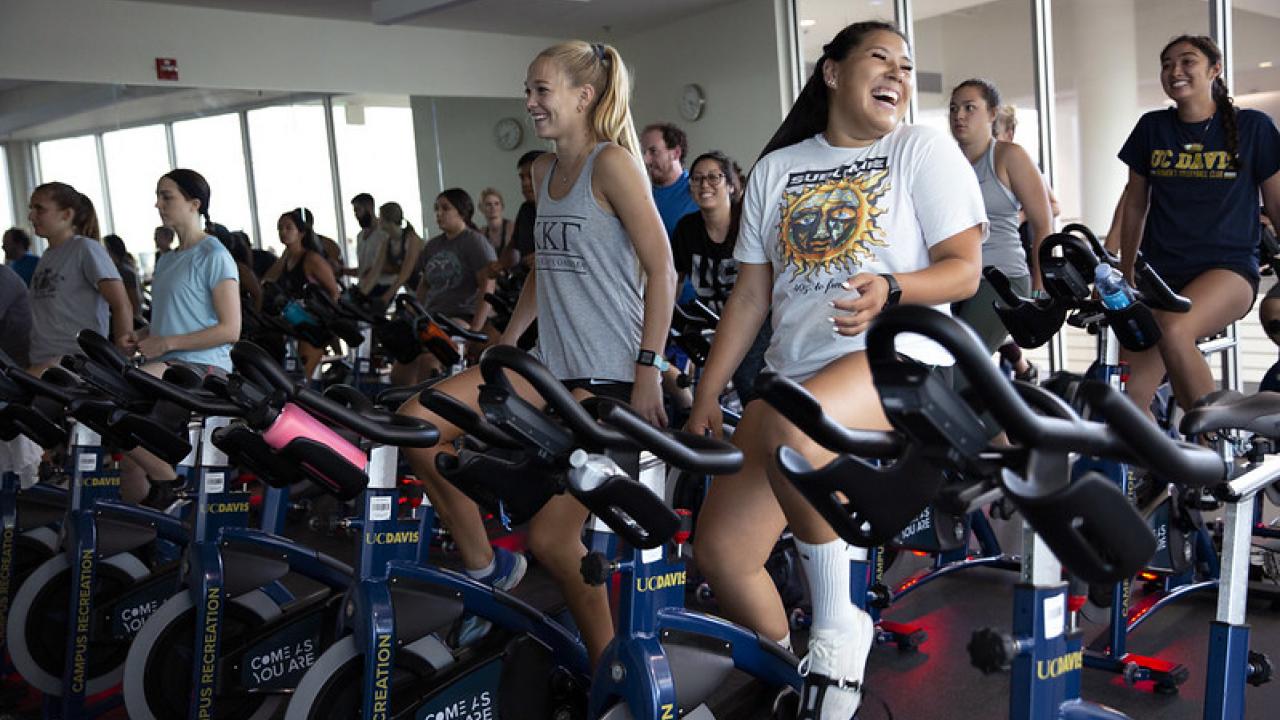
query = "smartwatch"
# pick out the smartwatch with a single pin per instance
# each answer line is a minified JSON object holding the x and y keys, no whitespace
{"x":895,"y":290}
{"x":653,"y":359}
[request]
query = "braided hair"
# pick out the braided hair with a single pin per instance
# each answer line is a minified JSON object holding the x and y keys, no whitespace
{"x":1222,"y":99}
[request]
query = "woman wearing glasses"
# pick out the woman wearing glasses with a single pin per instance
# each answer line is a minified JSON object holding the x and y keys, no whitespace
{"x":702,"y":247}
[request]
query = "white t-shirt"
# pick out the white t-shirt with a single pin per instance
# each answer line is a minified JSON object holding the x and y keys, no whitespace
{"x":821,"y":214}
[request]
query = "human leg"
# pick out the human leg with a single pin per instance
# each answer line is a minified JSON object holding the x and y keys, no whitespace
{"x":1218,"y":298}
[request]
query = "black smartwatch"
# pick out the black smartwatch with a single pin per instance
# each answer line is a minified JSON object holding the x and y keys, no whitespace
{"x":653,"y":359}
{"x":895,"y":290}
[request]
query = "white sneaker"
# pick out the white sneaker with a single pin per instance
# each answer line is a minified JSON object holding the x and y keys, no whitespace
{"x":834,"y":668}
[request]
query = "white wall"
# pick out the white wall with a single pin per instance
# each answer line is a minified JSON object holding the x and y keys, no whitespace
{"x":731,"y":52}
{"x":117,"y":41}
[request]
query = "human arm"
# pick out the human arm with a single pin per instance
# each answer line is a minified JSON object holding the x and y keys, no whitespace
{"x":626,"y":190}
{"x":744,"y":313}
{"x":1133,"y":217}
{"x":1115,"y":232}
{"x":1029,"y":188}
{"x":370,"y":278}
{"x":249,"y":284}
{"x":112,"y":290}
{"x":1271,"y":199}
{"x":412,"y":249}
{"x":226,"y":305}
{"x":955,"y":266}
{"x":275,"y":271}
{"x":321,"y":272}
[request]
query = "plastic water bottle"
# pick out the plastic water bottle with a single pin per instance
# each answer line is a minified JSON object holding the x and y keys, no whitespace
{"x":1114,"y":291}
{"x":588,"y":471}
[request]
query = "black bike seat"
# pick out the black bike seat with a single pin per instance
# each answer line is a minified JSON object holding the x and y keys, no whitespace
{"x":1230,"y":410}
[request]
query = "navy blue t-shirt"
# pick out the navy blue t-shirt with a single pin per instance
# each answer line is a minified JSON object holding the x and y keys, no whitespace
{"x":1204,"y":210}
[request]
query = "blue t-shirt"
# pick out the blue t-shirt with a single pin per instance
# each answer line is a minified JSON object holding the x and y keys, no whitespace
{"x":182,"y":297}
{"x":1204,"y":210}
{"x":674,"y":202}
{"x":25,"y":266}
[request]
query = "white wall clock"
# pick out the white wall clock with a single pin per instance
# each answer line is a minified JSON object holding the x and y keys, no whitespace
{"x":507,"y":133}
{"x":692,"y":102}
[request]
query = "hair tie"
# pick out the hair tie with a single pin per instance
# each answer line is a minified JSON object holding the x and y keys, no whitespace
{"x":598,"y":49}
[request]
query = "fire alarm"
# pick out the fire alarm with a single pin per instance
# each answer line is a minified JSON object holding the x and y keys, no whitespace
{"x":166,"y":69}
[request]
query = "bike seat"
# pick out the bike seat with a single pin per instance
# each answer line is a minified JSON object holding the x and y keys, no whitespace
{"x":1230,"y":410}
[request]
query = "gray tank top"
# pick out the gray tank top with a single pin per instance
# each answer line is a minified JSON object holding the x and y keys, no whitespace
{"x":590,"y":300}
{"x":1003,"y":246}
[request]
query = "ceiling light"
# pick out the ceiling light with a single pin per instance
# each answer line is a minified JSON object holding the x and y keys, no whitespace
{"x":808,"y":23}
{"x":1264,"y":64}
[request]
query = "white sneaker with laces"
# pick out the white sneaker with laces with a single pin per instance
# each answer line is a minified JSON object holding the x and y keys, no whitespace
{"x":834,"y":668}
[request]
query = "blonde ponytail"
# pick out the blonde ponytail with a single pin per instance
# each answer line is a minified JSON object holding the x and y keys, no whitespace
{"x":601,"y":67}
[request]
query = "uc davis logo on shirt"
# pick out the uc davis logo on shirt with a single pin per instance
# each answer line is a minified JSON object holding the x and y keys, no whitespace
{"x":828,"y":218}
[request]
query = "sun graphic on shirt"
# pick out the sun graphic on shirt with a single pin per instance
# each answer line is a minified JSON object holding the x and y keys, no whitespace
{"x":832,"y":226}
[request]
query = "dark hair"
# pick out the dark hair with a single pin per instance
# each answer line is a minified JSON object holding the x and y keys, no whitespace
{"x":362,"y":199}
{"x":1225,"y":105}
{"x":116,"y":248}
{"x":193,"y":186}
{"x":808,"y":115}
{"x":84,"y":220}
{"x":304,"y":221}
{"x":529,"y":157}
{"x":19,"y":236}
{"x":672,"y":136}
{"x":392,"y":212}
{"x":237,"y":243}
{"x":988,"y":89}
{"x":461,"y":201}
{"x":731,"y":176}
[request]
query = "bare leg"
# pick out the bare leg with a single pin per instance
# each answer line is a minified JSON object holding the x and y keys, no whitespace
{"x":1146,"y":372}
{"x":1218,"y":298}
{"x":555,"y":537}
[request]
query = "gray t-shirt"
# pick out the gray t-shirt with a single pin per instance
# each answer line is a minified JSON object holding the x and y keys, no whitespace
{"x":65,"y":297}
{"x":368,"y":242}
{"x":449,"y":270}
{"x":15,"y":317}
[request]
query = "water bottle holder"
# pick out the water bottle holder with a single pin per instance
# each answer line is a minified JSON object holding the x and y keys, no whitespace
{"x":1135,"y":327}
{"x":632,"y":511}
{"x":498,"y":483}
{"x":1091,"y":527}
{"x":326,"y":468}
{"x":399,"y":341}
{"x":1030,"y":325}
{"x":247,"y":449}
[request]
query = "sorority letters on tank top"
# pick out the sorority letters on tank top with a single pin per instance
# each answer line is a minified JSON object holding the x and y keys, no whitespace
{"x":1003,"y":246}
{"x":590,"y":301}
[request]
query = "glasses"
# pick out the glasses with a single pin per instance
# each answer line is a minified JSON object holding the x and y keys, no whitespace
{"x":710,"y":179}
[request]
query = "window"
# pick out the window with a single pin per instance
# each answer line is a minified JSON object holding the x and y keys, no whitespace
{"x":817,"y":21}
{"x":377,"y":155}
{"x":136,"y":159}
{"x":291,"y":167}
{"x":8,"y":217}
{"x":74,"y":161}
{"x":212,"y":146}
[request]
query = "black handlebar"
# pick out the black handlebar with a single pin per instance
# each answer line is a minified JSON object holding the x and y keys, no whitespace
{"x":802,"y":409}
{"x":200,"y":403}
{"x":398,"y":430}
{"x":683,"y":450}
{"x":260,"y":368}
{"x":505,"y":357}
{"x":100,"y":350}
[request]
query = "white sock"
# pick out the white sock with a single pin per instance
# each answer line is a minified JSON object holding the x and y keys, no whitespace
{"x":827,"y":567}
{"x":785,"y":642}
{"x":485,"y":571}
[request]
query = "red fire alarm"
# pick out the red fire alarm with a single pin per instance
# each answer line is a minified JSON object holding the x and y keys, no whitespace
{"x":166,"y":69}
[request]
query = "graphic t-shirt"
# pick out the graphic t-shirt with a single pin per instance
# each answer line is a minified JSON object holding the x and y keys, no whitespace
{"x":821,"y":214}
{"x":1204,"y":209}
{"x":449,"y":270}
{"x":709,"y":265}
{"x":65,"y":297}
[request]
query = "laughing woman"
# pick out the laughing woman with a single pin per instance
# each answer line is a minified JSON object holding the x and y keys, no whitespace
{"x":847,"y":212}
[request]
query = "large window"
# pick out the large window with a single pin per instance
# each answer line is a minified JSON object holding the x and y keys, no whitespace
{"x":817,"y":21}
{"x":212,"y":147}
{"x":8,"y":217}
{"x":136,"y":159}
{"x":377,"y":155}
{"x":291,"y":167}
{"x":74,"y":161}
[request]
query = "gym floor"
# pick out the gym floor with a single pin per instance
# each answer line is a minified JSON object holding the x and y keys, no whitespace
{"x":937,"y":682}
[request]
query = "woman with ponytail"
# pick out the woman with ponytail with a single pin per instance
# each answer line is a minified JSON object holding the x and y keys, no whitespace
{"x":74,"y":275}
{"x":303,"y":263}
{"x":195,"y":311}
{"x":847,"y":212}
{"x":453,"y":271}
{"x":601,"y":290}
{"x":1195,"y":173}
{"x":397,"y":257}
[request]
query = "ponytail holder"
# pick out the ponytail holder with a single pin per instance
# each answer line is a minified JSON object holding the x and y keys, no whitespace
{"x":598,"y":49}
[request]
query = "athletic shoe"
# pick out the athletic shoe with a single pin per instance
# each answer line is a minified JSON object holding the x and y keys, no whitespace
{"x":834,"y":668}
{"x":508,"y":570}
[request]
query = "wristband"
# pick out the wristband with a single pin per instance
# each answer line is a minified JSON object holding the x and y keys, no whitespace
{"x":650,"y":358}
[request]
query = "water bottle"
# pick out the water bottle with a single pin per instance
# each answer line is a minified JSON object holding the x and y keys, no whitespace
{"x":1114,"y":291}
{"x":588,"y":471}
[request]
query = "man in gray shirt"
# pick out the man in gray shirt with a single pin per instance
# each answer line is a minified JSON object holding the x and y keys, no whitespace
{"x":15,"y":317}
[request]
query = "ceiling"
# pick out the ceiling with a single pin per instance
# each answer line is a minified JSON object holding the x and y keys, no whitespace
{"x":549,"y":18}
